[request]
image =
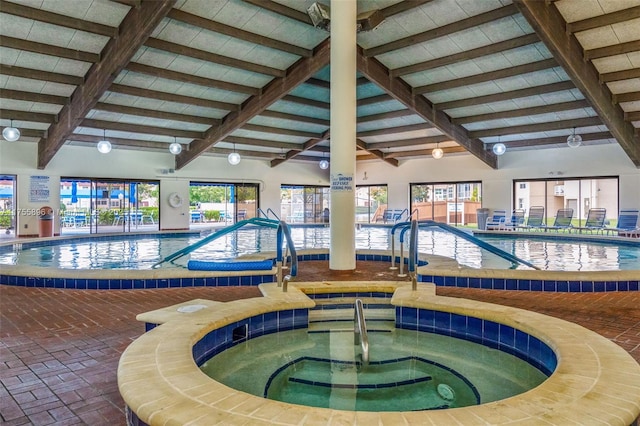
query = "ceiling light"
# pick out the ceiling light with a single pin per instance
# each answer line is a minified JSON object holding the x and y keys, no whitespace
{"x":11,"y":134}
{"x":437,"y":153}
{"x":499,"y":148}
{"x":104,"y":146}
{"x":320,"y":15}
{"x":324,"y":164}
{"x":234,"y":157}
{"x":175,"y":148}
{"x":574,"y":140}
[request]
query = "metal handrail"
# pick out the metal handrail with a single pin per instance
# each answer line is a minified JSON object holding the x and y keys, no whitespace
{"x":360,"y":336}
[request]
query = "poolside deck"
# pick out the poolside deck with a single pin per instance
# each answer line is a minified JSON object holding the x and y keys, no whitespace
{"x":59,"y":349}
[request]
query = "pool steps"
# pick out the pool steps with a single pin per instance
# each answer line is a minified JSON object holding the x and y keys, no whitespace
{"x":336,"y":314}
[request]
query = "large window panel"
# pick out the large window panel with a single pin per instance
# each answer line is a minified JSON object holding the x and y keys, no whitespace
{"x":454,"y":203}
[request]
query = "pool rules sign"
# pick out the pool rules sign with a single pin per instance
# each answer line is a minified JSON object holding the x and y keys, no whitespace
{"x":341,"y":182}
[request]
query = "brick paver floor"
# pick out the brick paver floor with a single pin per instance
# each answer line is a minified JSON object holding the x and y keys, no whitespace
{"x":59,"y":349}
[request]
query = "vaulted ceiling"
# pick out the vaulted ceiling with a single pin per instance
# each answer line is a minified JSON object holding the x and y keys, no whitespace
{"x":253,"y":76}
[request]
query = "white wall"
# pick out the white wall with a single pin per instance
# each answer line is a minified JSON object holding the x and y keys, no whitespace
{"x":19,"y":158}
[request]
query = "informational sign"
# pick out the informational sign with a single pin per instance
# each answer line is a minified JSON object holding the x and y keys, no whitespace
{"x":39,"y":189}
{"x":341,"y":182}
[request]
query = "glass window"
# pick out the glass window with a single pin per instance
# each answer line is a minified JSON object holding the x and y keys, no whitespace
{"x":371,"y":202}
{"x":222,"y":203}
{"x":454,"y":203}
{"x":7,"y":204}
{"x":304,"y":204}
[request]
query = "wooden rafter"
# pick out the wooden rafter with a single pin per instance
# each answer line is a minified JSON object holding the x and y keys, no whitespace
{"x":308,"y":145}
{"x":203,"y":55}
{"x":138,"y":128}
{"x":274,"y":91}
{"x":32,"y":74}
{"x":48,"y":49}
{"x":35,"y":117}
{"x":410,"y":142}
{"x":398,"y":89}
{"x":134,"y":30}
{"x":308,"y":102}
{"x":395,"y":130}
{"x":28,"y":133}
{"x":155,"y":113}
{"x":20,"y":95}
{"x":172,"y":97}
{"x":524,"y":112}
{"x":280,"y":9}
{"x":374,"y":100}
{"x":616,"y":49}
{"x":402,"y":7}
{"x":384,"y":116}
{"x":262,"y":143}
{"x":467,"y":55}
{"x":555,"y":140}
{"x":626,"y":97}
{"x":620,"y":75}
{"x":487,"y":76}
{"x":603,"y":20}
{"x":295,"y":117}
{"x":538,"y":127}
{"x":549,"y":24}
{"x":279,"y":131}
{"x":190,"y":78}
{"x":442,"y":31}
{"x":424,"y":152}
{"x":376,"y":152}
{"x":41,"y":15}
{"x":505,"y":96}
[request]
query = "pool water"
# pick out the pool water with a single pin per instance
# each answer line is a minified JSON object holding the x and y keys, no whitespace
{"x":143,"y":251}
{"x":469,"y":373}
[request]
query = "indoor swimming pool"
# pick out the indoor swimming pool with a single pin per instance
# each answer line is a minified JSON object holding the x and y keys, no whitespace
{"x":142,"y":251}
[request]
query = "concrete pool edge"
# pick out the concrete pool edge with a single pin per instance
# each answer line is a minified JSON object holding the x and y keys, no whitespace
{"x":159,"y":380}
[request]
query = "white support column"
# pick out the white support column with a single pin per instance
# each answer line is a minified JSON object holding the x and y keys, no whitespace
{"x":343,"y":134}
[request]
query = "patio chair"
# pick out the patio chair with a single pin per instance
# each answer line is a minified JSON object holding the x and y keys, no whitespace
{"x":595,"y":220}
{"x":516,"y":219}
{"x":627,"y":223}
{"x":496,"y":220}
{"x":562,"y":221}
{"x":535,"y":219}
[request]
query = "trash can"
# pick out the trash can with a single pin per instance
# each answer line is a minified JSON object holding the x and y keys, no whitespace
{"x":45,"y":222}
{"x":483,"y":215}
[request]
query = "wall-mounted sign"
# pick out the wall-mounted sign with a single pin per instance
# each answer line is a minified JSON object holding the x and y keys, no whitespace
{"x":341,"y":182}
{"x":39,"y":189}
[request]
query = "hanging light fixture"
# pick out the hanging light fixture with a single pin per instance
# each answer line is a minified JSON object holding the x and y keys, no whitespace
{"x":234,"y":158}
{"x":437,"y":153}
{"x":323,"y":164}
{"x":175,"y":148}
{"x":11,"y":134}
{"x":574,"y":140}
{"x":499,"y":148}
{"x":104,"y":146}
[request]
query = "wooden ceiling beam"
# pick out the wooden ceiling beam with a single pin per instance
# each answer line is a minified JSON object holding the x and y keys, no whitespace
{"x":620,"y":75}
{"x":626,"y":97}
{"x":613,"y":50}
{"x":442,"y":31}
{"x":295,"y":117}
{"x":555,"y":140}
{"x":538,"y":127}
{"x":603,"y":20}
{"x":524,"y":112}
{"x":308,"y":145}
{"x":42,"y":15}
{"x":203,"y":55}
{"x":401,"y":91}
{"x":394,"y":130}
{"x":467,"y":55}
{"x":138,"y":128}
{"x":48,"y":49}
{"x":130,"y":3}
{"x":34,"y":117}
{"x":121,"y":142}
{"x":262,"y":143}
{"x":20,"y":95}
{"x":134,"y":30}
{"x":154,"y":113}
{"x":238,"y":33}
{"x":299,"y":72}
{"x":28,"y":133}
{"x":282,"y":10}
{"x":376,"y":153}
{"x":307,"y":102}
{"x":549,"y":24}
{"x":172,"y":97}
{"x":385,"y":116}
{"x":487,"y":76}
{"x":632,"y":116}
{"x":192,"y":79}
{"x":410,"y":142}
{"x":507,"y":96}
{"x":424,"y":152}
{"x":33,"y":74}
{"x":374,"y":100}
{"x":279,"y":131}
{"x":402,"y":7}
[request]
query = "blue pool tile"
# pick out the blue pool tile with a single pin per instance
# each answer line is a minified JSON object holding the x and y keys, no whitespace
{"x":126,"y":284}
{"x":450,"y":281}
{"x":270,"y":321}
{"x":507,"y":335}
{"x":410,"y":317}
{"x":186,"y":282}
{"x":58,"y":282}
{"x":511,"y":285}
{"x":474,"y":327}
{"x":426,"y":320}
{"x":575,"y":286}
{"x":487,"y":283}
{"x":524,"y":285}
{"x":115,"y":284}
{"x":522,"y":341}
{"x":474,"y":282}
{"x":198,"y":282}
{"x":174,"y":282}
{"x":92,"y":284}
{"x":462,"y":282}
{"x":562,"y":286}
{"x":549,"y":285}
{"x":587,"y":287}
{"x":536,"y":285}
{"x":285,"y":320}
{"x":598,"y":286}
{"x":103,"y":284}
{"x":491,"y":331}
{"x":633,"y":285}
{"x":163,"y":283}
{"x":443,"y":321}
{"x":81,"y":284}
{"x":611,"y":286}
{"x":138,"y":284}
{"x":459,"y":322}
{"x":150,"y":283}
{"x":623,"y":286}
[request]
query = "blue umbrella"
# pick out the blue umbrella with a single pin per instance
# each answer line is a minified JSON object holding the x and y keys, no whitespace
{"x":74,"y":192}
{"x":132,"y":193}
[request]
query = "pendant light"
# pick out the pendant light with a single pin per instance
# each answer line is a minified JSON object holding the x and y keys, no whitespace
{"x":323,"y":164}
{"x":175,"y":148}
{"x":234,"y":158}
{"x":437,"y":153}
{"x":499,"y":148}
{"x":574,"y":140}
{"x":11,"y":134}
{"x":104,"y":146}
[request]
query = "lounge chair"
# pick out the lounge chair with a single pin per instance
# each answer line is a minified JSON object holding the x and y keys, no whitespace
{"x":496,"y":220}
{"x":562,"y":221}
{"x":595,"y":221}
{"x":516,"y":219}
{"x":535,"y":220}
{"x":627,"y":223}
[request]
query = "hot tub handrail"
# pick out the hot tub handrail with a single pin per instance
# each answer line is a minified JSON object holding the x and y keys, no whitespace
{"x":284,"y":232}
{"x":360,"y":336}
{"x":265,"y":215}
{"x":226,"y":230}
{"x":413,"y":254}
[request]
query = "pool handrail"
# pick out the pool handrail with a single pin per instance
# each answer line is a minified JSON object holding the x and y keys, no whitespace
{"x":226,"y":230}
{"x":266,"y":214}
{"x":413,"y":254}
{"x":285,"y":232}
{"x":360,"y":336}
{"x":482,"y":244}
